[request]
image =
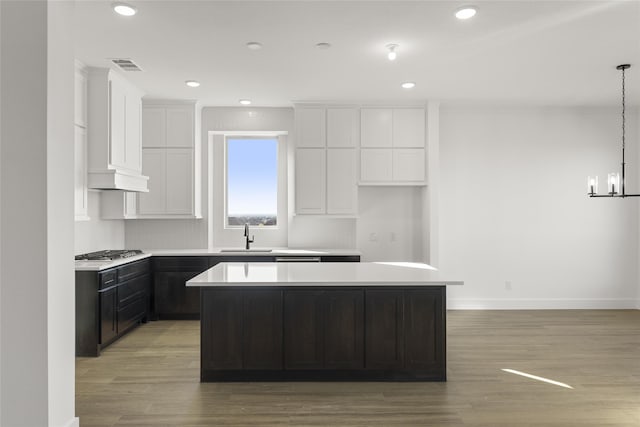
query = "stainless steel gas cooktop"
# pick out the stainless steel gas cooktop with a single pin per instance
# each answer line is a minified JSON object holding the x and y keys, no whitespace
{"x":109,"y":255}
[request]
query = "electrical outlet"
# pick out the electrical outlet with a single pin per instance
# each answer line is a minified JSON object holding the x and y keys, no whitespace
{"x":373,"y":237}
{"x":507,"y":285}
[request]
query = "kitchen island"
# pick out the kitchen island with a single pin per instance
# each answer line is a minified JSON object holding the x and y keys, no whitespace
{"x":322,"y":321}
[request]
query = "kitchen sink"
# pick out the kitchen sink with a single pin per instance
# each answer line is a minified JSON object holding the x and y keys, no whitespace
{"x":246,"y":250}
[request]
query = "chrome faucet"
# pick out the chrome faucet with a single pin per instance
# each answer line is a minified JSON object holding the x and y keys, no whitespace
{"x":248,"y":242}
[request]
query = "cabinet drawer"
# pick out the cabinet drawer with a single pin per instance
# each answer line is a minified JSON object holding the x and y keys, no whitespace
{"x":132,"y":288}
{"x":183,"y":263}
{"x":107,"y":279}
{"x":132,"y":270}
{"x":131,"y":314}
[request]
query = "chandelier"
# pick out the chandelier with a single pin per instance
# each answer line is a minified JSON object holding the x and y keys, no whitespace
{"x":615,"y":182}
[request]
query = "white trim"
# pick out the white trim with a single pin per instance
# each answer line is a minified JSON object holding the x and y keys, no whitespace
{"x":250,"y":133}
{"x":74,"y":422}
{"x":542,"y":303}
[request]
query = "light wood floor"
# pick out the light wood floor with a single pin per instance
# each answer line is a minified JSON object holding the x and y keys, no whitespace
{"x":150,"y":378}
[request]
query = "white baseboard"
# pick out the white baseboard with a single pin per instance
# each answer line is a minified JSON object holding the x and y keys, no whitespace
{"x":74,"y":422}
{"x":542,"y":304}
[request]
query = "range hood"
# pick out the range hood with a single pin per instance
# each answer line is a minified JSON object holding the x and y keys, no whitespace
{"x":114,"y":133}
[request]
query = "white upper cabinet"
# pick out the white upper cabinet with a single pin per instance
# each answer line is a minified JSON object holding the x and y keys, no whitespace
{"x":326,"y":160}
{"x":342,"y":191}
{"x":376,"y":127}
{"x":310,"y":180}
{"x":114,"y":117}
{"x":169,"y":157}
{"x":310,"y":127}
{"x":393,"y":146}
{"x":408,"y":127}
{"x":342,"y":127}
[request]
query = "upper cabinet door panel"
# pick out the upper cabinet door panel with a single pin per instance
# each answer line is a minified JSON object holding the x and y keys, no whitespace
{"x":154,"y":166}
{"x":408,"y":165}
{"x":310,"y":127}
{"x":376,"y":165}
{"x":179,"y":181}
{"x":376,"y":126}
{"x":409,"y":127}
{"x":310,"y":180}
{"x":153,"y":127}
{"x":342,"y":129}
{"x":342,"y":190}
{"x":180,"y":127}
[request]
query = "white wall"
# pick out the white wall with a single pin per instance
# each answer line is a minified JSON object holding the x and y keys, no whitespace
{"x":515,"y":222}
{"x":37,"y":313}
{"x":97,"y":234}
{"x":390,"y":223}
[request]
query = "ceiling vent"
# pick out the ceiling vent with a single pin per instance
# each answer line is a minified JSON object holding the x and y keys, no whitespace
{"x":126,"y":65}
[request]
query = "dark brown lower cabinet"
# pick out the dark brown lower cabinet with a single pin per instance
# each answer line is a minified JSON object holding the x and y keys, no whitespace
{"x":288,"y":333}
{"x":406,"y":331}
{"x":323,"y":329}
{"x":108,"y":315}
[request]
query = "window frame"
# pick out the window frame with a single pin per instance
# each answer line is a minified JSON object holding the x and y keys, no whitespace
{"x":279,"y":147}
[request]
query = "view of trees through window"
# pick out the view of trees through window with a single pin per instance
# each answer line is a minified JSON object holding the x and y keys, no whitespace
{"x":252,"y":181}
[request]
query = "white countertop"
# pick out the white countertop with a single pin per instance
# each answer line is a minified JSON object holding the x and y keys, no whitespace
{"x":103,"y":265}
{"x":254,"y":251}
{"x":325,"y":274}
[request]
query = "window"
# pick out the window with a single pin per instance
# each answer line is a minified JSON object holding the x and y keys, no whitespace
{"x":251,"y":181}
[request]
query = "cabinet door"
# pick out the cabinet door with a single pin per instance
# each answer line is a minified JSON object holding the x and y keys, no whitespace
{"x":384,"y":329}
{"x":132,"y":133}
{"x":80,"y":175}
{"x":179,"y":181}
{"x":303,"y":336}
{"x":376,"y":126}
{"x":180,"y":127}
{"x":342,"y":129}
{"x":409,"y":127}
{"x":344,"y":329}
{"x":154,"y":127}
{"x":310,"y":127}
{"x":408,"y":165}
{"x":153,"y":166}
{"x":310,"y":180}
{"x":221,"y":325}
{"x":376,"y":165}
{"x":424,"y":325}
{"x":172,"y":299}
{"x":342,"y":190}
{"x":108,"y":315}
{"x":262,"y":329}
{"x":118,"y":120}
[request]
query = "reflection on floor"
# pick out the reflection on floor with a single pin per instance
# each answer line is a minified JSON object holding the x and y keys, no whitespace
{"x":150,"y":378}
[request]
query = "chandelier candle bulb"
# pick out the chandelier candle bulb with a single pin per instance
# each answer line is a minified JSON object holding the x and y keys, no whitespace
{"x":592,"y":185}
{"x":614,"y":183}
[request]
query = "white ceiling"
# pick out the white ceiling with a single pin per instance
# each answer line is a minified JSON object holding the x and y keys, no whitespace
{"x":524,"y":52}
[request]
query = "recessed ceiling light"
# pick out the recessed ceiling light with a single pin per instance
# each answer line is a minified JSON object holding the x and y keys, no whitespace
{"x":323,"y":45}
{"x":254,"y":45}
{"x":124,"y":9}
{"x":245,"y":101}
{"x":392,"y":54}
{"x":408,"y":85}
{"x":192,"y":83}
{"x":466,"y":12}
